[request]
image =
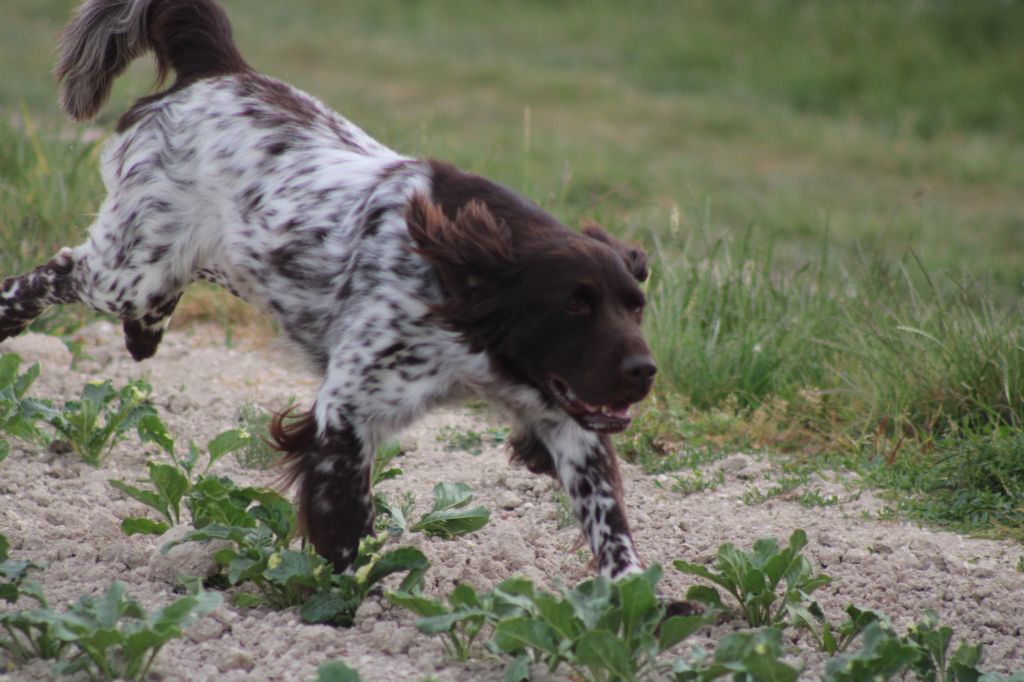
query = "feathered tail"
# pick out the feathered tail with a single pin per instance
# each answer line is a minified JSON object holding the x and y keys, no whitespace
{"x":192,"y":37}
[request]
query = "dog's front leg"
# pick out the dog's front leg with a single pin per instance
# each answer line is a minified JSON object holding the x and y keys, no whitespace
{"x":586,"y":466}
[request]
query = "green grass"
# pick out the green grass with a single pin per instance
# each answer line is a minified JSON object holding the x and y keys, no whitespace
{"x":832,"y":193}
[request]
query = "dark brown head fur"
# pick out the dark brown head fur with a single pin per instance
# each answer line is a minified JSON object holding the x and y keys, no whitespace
{"x":554,"y":308}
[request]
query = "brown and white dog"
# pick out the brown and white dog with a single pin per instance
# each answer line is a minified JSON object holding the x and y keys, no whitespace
{"x":406,"y":282}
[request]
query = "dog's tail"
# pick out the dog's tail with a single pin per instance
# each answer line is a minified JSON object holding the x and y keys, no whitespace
{"x":192,"y":37}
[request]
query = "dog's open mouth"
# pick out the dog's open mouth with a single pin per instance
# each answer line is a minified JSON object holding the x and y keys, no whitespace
{"x":610,"y":418}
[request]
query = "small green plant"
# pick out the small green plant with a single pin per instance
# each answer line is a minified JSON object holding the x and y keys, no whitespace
{"x":753,"y":578}
{"x":260,"y":555}
{"x":116,"y":638}
{"x":829,"y":637}
{"x":14,"y":574}
{"x":883,"y":655}
{"x":208,"y":498}
{"x":565,"y":517}
{"x":26,"y":634}
{"x":111,"y":636}
{"x":784,"y":486}
{"x":697,"y":482}
{"x":471,"y":441}
{"x":449,"y":517}
{"x":814,"y":498}
{"x":94,"y":423}
{"x":935,"y":662}
{"x":467,"y":612}
{"x":600,"y":629}
{"x":17,"y":413}
{"x":923,"y":651}
{"x":753,"y":655}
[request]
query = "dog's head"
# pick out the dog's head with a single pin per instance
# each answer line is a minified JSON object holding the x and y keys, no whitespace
{"x":556,"y":309}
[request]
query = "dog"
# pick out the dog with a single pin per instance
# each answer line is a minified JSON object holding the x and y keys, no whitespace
{"x":406,"y":283}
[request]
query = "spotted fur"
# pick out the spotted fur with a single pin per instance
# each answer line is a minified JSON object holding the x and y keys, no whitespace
{"x":406,"y":282}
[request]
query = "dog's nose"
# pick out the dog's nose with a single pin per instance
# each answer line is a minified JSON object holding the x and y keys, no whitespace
{"x":639,"y":369}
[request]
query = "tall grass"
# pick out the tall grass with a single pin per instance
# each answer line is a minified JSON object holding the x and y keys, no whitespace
{"x":724,"y":322}
{"x":49,"y":189}
{"x":931,"y":355}
{"x":893,"y":346}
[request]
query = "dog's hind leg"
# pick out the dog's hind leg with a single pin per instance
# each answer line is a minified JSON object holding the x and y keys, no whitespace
{"x":332,"y":468}
{"x":25,"y":297}
{"x":73,"y":276}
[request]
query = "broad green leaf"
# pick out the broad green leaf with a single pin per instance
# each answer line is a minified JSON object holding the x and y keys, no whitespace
{"x":754,"y":582}
{"x":705,"y":595}
{"x":228,"y":441}
{"x":590,"y":600}
{"x":152,"y":430}
{"x":288,"y":566}
{"x":324,"y":607}
{"x":337,"y":671}
{"x":5,"y":449}
{"x":22,"y":383}
{"x":559,"y":616}
{"x":449,"y":523}
{"x":518,"y":669}
{"x":601,"y":650}
{"x":98,"y":393}
{"x":139,"y":525}
{"x":402,"y":559}
{"x":170,"y":484}
{"x":515,"y":635}
{"x":9,"y":363}
{"x":703,"y":572}
{"x":146,"y":497}
{"x":416,"y":603}
{"x":433,"y":625}
{"x":246,"y":600}
{"x":639,"y":604}
{"x":677,"y":628}
{"x":464,"y":596}
{"x":388,"y":474}
{"x":451,"y":496}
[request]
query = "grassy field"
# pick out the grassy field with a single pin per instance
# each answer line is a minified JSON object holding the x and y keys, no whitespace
{"x":833,"y":193}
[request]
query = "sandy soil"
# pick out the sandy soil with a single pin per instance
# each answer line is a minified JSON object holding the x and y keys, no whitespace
{"x":56,"y":509}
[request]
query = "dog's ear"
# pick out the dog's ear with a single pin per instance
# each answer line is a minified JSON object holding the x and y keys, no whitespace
{"x":632,"y":255}
{"x":471,"y":251}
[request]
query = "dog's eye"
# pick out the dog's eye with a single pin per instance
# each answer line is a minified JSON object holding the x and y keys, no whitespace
{"x":577,"y":306}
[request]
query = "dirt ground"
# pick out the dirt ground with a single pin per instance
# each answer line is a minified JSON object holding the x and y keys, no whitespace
{"x":56,"y":509}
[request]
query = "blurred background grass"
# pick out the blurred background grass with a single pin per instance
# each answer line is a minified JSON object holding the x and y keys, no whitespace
{"x":833,"y":191}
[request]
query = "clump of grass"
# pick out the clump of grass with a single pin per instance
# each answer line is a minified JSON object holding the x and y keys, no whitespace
{"x":974,"y":485}
{"x":927,"y":356}
{"x":469,"y":440}
{"x":724,"y":324}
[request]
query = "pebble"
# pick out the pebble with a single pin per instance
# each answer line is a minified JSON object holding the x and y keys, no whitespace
{"x":234,"y":659}
{"x":509,"y":500}
{"x":205,"y":630}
